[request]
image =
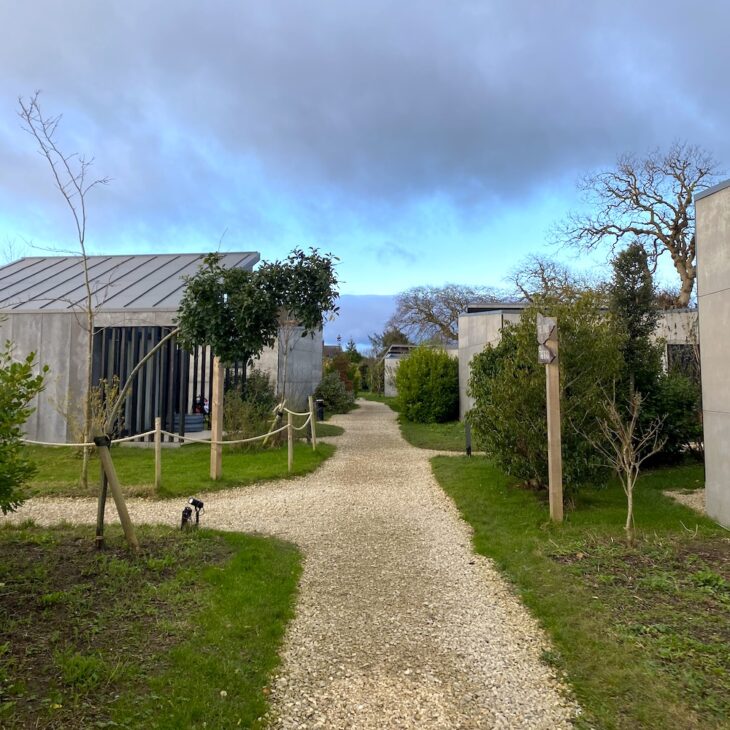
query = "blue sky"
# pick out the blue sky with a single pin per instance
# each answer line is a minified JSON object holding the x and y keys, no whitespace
{"x":421,"y":142}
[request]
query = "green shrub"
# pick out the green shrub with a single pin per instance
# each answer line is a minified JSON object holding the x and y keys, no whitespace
{"x":347,"y":370}
{"x":428,"y":386}
{"x":18,"y":387}
{"x":248,"y":413}
{"x":336,"y":397}
{"x":508,"y":385}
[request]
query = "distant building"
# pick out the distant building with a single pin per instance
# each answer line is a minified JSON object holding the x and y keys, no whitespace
{"x":136,"y":298}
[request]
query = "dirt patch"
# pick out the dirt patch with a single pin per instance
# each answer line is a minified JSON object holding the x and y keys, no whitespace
{"x":81,"y":626}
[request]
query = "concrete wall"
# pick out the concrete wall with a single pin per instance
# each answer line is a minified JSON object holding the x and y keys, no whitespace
{"x":59,"y":341}
{"x":713,"y":290}
{"x":390,"y":367}
{"x":476,"y":331}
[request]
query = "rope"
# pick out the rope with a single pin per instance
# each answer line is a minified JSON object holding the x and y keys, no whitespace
{"x":225,"y":443}
{"x":294,"y":413}
{"x":89,"y":443}
{"x":136,"y":436}
{"x":303,"y":426}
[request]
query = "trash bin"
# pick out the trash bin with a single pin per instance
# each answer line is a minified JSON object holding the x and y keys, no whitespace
{"x":319,"y":407}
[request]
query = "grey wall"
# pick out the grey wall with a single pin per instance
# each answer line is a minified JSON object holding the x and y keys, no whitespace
{"x":713,"y":290}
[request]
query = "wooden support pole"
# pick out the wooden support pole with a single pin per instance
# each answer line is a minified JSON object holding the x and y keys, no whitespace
{"x":555,"y":449}
{"x":216,"y":421}
{"x":100,"y":507}
{"x":312,"y":422}
{"x":290,"y":441}
{"x":158,"y":453}
{"x":102,"y":447}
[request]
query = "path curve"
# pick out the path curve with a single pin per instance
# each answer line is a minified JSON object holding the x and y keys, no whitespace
{"x":398,"y":623}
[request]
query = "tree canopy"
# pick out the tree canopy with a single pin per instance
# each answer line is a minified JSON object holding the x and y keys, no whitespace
{"x":647,"y":200}
{"x":237,"y":312}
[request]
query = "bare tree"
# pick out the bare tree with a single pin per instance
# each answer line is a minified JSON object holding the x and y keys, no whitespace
{"x":626,"y":446}
{"x":540,"y":276}
{"x":647,"y":200}
{"x":432,"y":313}
{"x":71,"y":174}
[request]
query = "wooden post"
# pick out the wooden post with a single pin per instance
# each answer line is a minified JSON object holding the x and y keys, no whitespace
{"x":312,"y":422}
{"x":158,"y":453}
{"x":100,"y":507}
{"x":290,"y":440}
{"x":547,"y":337}
{"x":102,"y":447}
{"x":216,"y":421}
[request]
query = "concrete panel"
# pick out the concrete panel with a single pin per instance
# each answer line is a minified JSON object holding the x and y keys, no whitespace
{"x":715,"y":353}
{"x":717,"y":466}
{"x":390,"y":368}
{"x":713,"y":234}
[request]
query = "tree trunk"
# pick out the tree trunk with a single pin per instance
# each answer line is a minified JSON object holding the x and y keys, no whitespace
{"x":87,"y":402}
{"x":629,"y":527}
{"x":687,"y":274}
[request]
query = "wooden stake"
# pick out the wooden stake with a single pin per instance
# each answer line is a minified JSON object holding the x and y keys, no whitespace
{"x":216,"y":421}
{"x":102,"y":447}
{"x":100,"y":507}
{"x":290,"y":440}
{"x":158,"y":453}
{"x":312,"y":422}
{"x":555,"y":451}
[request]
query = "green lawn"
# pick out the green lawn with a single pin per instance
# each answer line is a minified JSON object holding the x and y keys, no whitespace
{"x":184,"y":635}
{"x":184,"y":470}
{"x":642,"y":632}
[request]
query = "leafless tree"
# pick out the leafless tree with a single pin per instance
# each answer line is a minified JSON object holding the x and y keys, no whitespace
{"x":432,"y":313}
{"x":648,"y":200}
{"x":71,"y":174}
{"x":626,"y":446}
{"x":540,"y":276}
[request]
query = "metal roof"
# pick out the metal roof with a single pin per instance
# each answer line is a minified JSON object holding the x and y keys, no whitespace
{"x":126,"y":282}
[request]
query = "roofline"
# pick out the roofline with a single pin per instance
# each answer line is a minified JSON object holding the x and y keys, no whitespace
{"x":711,"y":191}
{"x":257,"y":254}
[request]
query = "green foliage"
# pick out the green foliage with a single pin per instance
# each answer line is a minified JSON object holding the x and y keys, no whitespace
{"x":336,"y":397}
{"x":249,"y":412}
{"x":347,"y":370}
{"x":428,"y":386}
{"x":508,"y":385}
{"x":352,"y":352}
{"x":18,"y":387}
{"x":236,"y":311}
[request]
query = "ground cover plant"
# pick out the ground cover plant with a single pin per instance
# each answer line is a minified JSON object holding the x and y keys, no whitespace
{"x":185,"y":470}
{"x":184,"y":634}
{"x":641,"y":632}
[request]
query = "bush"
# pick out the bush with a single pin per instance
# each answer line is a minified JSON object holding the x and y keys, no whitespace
{"x":336,"y":397}
{"x":347,"y":370}
{"x":428,"y":386}
{"x":508,"y":385}
{"x":249,"y":413}
{"x":18,"y":387}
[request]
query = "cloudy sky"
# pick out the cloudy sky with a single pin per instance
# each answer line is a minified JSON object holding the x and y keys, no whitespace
{"x":422,"y":142}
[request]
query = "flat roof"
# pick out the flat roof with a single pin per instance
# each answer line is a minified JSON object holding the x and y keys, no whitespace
{"x":133,"y":282}
{"x":496,"y":307}
{"x":711,"y":191}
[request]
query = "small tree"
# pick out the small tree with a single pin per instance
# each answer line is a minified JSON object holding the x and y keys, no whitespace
{"x":428,"y":386}
{"x":18,"y":387}
{"x":71,"y":175}
{"x":626,"y":446}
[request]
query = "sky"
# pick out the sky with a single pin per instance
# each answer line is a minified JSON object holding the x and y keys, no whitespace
{"x":421,"y":142}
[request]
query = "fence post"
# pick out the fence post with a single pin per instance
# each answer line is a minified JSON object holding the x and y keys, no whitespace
{"x":312,"y":422}
{"x":158,"y":453}
{"x":216,"y":421}
{"x":290,"y":439}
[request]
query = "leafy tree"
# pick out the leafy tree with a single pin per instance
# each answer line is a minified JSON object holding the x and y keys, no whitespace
{"x":381,"y":342}
{"x":237,"y":312}
{"x":648,"y":200}
{"x":632,"y":301}
{"x":352,"y":352}
{"x":431,"y":313}
{"x":508,"y":385}
{"x":428,"y":386}
{"x":18,"y":387}
{"x":346,"y":369}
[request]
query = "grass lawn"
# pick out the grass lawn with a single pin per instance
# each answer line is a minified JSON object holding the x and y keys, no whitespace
{"x":641,"y":633}
{"x":184,"y":635}
{"x":184,"y":470}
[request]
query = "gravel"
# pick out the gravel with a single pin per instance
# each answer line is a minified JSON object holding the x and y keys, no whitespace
{"x":694,"y":500}
{"x":398,"y":623}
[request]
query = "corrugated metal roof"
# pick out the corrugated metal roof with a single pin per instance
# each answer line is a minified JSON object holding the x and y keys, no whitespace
{"x":146,"y":282}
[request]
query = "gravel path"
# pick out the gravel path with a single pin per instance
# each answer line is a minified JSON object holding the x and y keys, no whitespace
{"x":398,"y":624}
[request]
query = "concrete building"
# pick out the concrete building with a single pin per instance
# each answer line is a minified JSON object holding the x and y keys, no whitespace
{"x":391,"y":361}
{"x":135,"y":300}
{"x":712,"y":209}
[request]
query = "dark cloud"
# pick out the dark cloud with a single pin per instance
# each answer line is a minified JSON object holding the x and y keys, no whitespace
{"x":282,"y":118}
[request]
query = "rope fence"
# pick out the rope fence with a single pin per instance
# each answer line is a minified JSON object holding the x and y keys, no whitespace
{"x":158,"y":433}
